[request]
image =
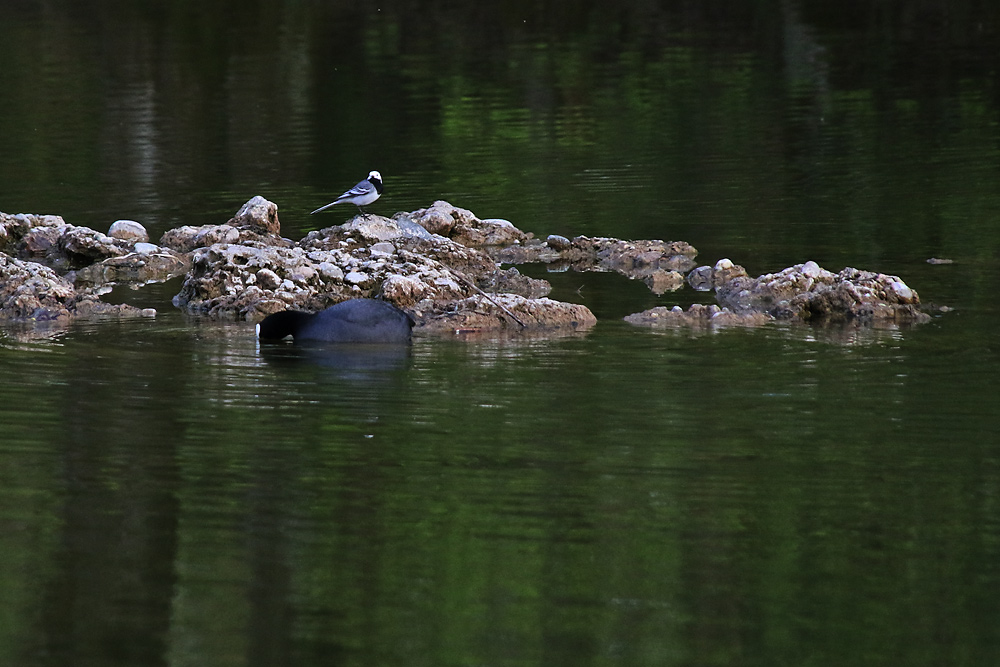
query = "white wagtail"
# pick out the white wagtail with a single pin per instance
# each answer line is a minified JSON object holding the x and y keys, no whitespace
{"x":362,"y":194}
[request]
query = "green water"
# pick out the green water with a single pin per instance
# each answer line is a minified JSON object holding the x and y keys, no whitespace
{"x":172,"y":493}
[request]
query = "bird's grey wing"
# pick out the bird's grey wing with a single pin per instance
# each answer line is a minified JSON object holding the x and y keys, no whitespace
{"x":362,"y":188}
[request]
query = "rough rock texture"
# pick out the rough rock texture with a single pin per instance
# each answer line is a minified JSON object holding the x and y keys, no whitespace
{"x":30,"y":291}
{"x":441,"y":264}
{"x":49,"y":240}
{"x":705,"y":278}
{"x":660,"y":264}
{"x":128,"y":230}
{"x":257,"y":215}
{"x":187,"y":238}
{"x":661,"y":282}
{"x":804,"y":292}
{"x":146,"y":264}
{"x":463,"y":226}
{"x":395,"y":259}
{"x":697,"y":315}
{"x":478,"y":314}
{"x":808,"y":292}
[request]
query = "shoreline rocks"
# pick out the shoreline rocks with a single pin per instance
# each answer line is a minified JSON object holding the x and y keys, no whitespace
{"x":441,"y":263}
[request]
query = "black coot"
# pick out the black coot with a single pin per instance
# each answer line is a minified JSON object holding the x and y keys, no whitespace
{"x":354,"y":321}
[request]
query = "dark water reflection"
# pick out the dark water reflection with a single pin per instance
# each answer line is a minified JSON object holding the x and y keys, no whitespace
{"x":190,"y":498}
{"x":173,"y":493}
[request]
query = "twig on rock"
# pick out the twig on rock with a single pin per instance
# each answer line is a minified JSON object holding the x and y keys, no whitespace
{"x":491,"y":299}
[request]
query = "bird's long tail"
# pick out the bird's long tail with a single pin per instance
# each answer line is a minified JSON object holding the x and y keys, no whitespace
{"x":323,"y":208}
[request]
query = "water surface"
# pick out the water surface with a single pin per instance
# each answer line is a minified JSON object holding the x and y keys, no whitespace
{"x":174,"y":493}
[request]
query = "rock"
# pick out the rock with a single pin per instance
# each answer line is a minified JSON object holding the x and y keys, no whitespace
{"x":700,"y":278}
{"x":436,"y":219}
{"x":128,"y":230}
{"x":705,"y":278}
{"x":136,"y":267}
{"x":807,"y":292}
{"x":356,"y":277}
{"x":330,"y":271}
{"x":382,"y":249}
{"x":14,"y":228}
{"x":653,"y":261}
{"x":84,"y":246}
{"x":511,"y":281}
{"x":375,"y":229}
{"x":267,"y":279}
{"x":146,"y":248}
{"x":371,"y":255}
{"x":461,"y":225}
{"x":479,"y":313}
{"x":403,"y":291}
{"x":661,"y":282}
{"x":49,"y":240}
{"x":556,"y":242}
{"x":257,"y":215}
{"x":32,"y":292}
{"x":697,"y":315}
{"x":187,"y":238}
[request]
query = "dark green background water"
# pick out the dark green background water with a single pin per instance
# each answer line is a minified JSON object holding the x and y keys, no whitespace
{"x":172,"y":494}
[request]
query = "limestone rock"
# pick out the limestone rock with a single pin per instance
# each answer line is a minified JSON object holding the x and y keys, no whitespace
{"x":808,"y":292}
{"x":463,"y":226}
{"x":696,"y":316}
{"x":32,"y":292}
{"x":138,"y":268}
{"x":128,"y":230}
{"x":187,"y":238}
{"x":257,"y":215}
{"x":705,"y":278}
{"x":478,"y":313}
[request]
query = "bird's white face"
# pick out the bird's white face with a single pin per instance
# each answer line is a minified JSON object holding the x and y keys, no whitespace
{"x":374,"y":176}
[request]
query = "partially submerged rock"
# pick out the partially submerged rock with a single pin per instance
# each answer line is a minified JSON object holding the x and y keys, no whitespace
{"x":441,"y":264}
{"x":147,"y":263}
{"x":660,"y":264}
{"x":32,"y":292}
{"x":501,"y":312}
{"x":393,"y":258}
{"x":807,"y":292}
{"x":50,"y":240}
{"x":804,"y":293}
{"x":705,"y":278}
{"x":696,"y":316}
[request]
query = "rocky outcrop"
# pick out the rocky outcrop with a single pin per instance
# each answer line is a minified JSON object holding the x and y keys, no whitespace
{"x":501,"y":312}
{"x":147,"y":263}
{"x":801,"y":293}
{"x":705,"y":278}
{"x":442,"y":264}
{"x":696,"y":316}
{"x":256,"y":223}
{"x":809,"y":293}
{"x":660,"y":264}
{"x":462,"y":226}
{"x":32,"y":292}
{"x":49,"y":240}
{"x":395,"y":259}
